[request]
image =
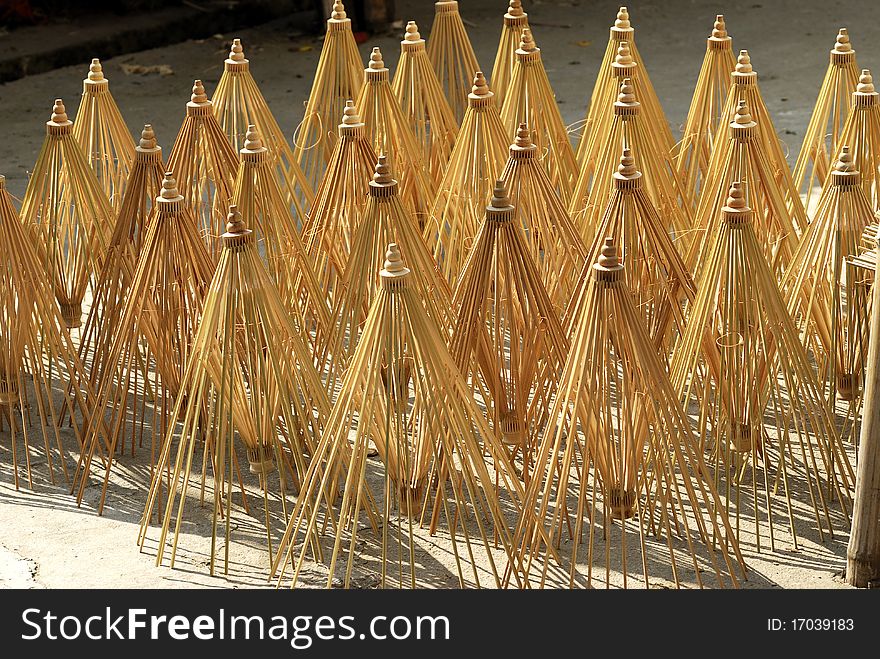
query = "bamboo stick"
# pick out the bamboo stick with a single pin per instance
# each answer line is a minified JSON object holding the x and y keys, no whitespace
{"x":452,"y":55}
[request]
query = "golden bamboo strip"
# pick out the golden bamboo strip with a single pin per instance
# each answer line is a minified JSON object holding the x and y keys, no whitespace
{"x":501,"y":301}
{"x":339,"y":203}
{"x":551,"y":237}
{"x":261,"y":199}
{"x":249,"y":383}
{"x":421,"y":98}
{"x":530,"y":100}
{"x":150,"y":334}
{"x":704,"y":118}
{"x":607,"y":84}
{"x":515,"y":20}
{"x":829,"y":114}
{"x":38,"y":359}
{"x":761,"y":413}
{"x":390,"y":133}
{"x":101,"y":130}
{"x":861,"y":133}
{"x":828,"y":297}
{"x":475,"y":164}
{"x":204,"y":165}
{"x":745,"y":87}
{"x":239,"y":104}
{"x":656,"y":277}
{"x":631,"y":128}
{"x":67,"y":212}
{"x":337,"y":79}
{"x":742,"y":157}
{"x":620,"y":464}
{"x":385,"y":219}
{"x":452,"y":55}
{"x":431,"y":483}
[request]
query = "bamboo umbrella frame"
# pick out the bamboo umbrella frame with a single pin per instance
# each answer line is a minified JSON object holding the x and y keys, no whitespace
{"x":452,"y":55}
{"x":390,"y":133}
{"x":743,"y":157}
{"x":114,"y":281}
{"x":339,"y":203}
{"x":745,"y":87}
{"x":338,"y":78}
{"x":139,"y":358}
{"x":828,"y":297}
{"x":385,"y":220}
{"x":204,"y":164}
{"x":553,"y":240}
{"x":239,"y":104}
{"x":620,"y":458}
{"x":65,"y":208}
{"x":515,"y":20}
{"x":37,"y":357}
{"x":475,"y":164}
{"x":607,"y":84}
{"x":761,"y":412}
{"x":657,"y":279}
{"x":500,"y":299}
{"x":421,"y":98}
{"x":530,"y":100}
{"x":261,"y":199}
{"x":101,"y":130}
{"x":821,"y":141}
{"x":704,"y":118}
{"x":631,"y":128}
{"x":403,"y":393}
{"x":862,"y":133}
{"x":250,"y":376}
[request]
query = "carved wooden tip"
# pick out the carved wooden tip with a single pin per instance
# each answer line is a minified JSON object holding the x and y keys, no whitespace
{"x":252,"y":140}
{"x":719,"y":30}
{"x":350,"y":116}
{"x":866,"y":82}
{"x":198,"y":93}
{"x":236,"y":53}
{"x":148,"y":137}
{"x":234,"y":221}
{"x":376,"y":62}
{"x":622,"y":20}
{"x":627,"y":166}
{"x":742,"y":116}
{"x":527,"y":42}
{"x":627,"y":93}
{"x":514,"y":8}
{"x":844,"y":163}
{"x":608,"y":257}
{"x":412,"y":32}
{"x":394,"y":264}
{"x":96,"y":71}
{"x":2,"y":182}
{"x":169,"y":187}
{"x":624,"y":55}
{"x":735,"y":198}
{"x":523,"y":136}
{"x":500,"y":199}
{"x":59,"y":113}
{"x":743,"y":62}
{"x":382,"y":174}
{"x":338,"y":13}
{"x":481,"y":87}
{"x":842,"y":44}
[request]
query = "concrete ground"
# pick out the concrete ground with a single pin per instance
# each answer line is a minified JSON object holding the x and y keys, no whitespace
{"x":788,"y":42}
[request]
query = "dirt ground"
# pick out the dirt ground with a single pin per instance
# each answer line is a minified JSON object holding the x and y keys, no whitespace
{"x":47,"y":541}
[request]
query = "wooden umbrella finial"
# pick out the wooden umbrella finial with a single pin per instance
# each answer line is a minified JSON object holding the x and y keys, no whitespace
{"x":866,"y":82}
{"x":622,"y":20}
{"x":742,"y":117}
{"x":252,"y":139}
{"x":382,"y":175}
{"x":481,"y":87}
{"x":394,"y":266}
{"x":148,"y":137}
{"x":59,"y":113}
{"x":627,"y":93}
{"x":627,"y":167}
{"x":624,"y":55}
{"x":524,"y":137}
{"x":527,"y":42}
{"x":845,"y":164}
{"x":376,"y":61}
{"x":338,"y":13}
{"x":743,"y":62}
{"x":169,"y":188}
{"x":500,"y":199}
{"x":199,"y":96}
{"x":842,"y":43}
{"x":514,"y":9}
{"x":235,"y":223}
{"x":236,"y":53}
{"x":350,"y":116}
{"x":719,"y":30}
{"x":736,"y":201}
{"x":96,"y":71}
{"x":412,"y":33}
